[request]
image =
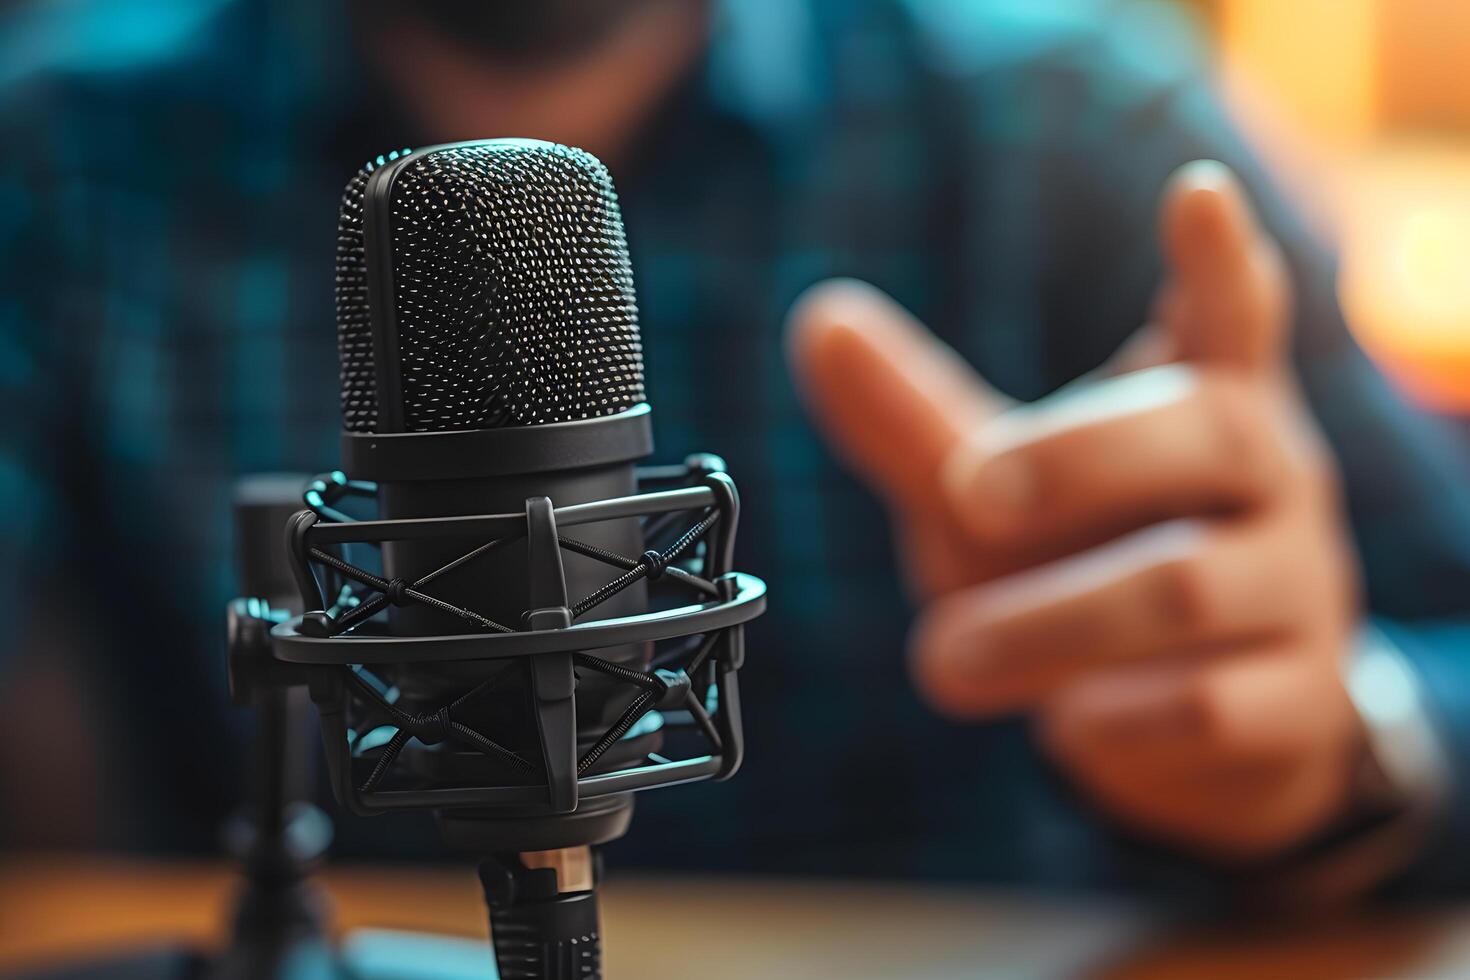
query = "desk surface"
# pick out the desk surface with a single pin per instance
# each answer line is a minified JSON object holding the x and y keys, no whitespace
{"x":726,"y":928}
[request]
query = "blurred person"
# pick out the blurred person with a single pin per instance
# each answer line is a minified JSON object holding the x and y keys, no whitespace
{"x":1146,"y":557}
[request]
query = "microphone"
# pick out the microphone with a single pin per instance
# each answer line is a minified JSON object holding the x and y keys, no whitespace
{"x":509,"y":621}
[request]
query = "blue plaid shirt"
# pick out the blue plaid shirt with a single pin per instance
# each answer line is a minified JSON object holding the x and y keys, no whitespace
{"x":167,"y":219}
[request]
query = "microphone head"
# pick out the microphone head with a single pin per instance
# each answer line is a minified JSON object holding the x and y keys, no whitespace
{"x":484,"y":285}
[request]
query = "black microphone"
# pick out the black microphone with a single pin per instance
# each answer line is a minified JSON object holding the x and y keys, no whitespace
{"x":510,"y":621}
{"x":499,"y":306}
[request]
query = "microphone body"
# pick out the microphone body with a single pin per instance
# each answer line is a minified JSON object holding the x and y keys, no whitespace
{"x":498,"y":584}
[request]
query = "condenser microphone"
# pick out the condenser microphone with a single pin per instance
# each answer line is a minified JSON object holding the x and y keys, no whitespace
{"x":490,"y":353}
{"x":509,"y":620}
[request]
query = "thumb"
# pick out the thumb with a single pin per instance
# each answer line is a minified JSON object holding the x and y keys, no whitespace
{"x":1227,"y":299}
{"x":890,"y":396}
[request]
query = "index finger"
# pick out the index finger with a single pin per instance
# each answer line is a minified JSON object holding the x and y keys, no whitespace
{"x":892,"y":398}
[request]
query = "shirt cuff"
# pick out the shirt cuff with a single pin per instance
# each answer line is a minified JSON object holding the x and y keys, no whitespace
{"x":1401,"y":788}
{"x":1406,"y":750}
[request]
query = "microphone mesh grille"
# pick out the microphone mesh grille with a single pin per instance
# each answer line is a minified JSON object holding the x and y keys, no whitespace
{"x":512,"y":291}
{"x":354,"y":327}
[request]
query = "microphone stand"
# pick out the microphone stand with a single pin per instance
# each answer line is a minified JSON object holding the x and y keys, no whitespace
{"x":530,"y":832}
{"x":279,"y":924}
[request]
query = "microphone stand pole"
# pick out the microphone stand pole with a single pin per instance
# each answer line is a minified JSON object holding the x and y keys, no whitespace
{"x":543,"y":914}
{"x":542,"y":902}
{"x":278,"y":928}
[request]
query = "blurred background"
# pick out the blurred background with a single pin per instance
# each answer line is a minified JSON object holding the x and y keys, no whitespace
{"x":1361,"y":107}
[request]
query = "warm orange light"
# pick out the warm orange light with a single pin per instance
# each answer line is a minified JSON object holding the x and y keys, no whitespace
{"x":1405,"y":282}
{"x":1316,"y":59}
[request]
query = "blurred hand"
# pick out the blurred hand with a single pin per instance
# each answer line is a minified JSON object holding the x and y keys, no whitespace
{"x":1151,"y":562}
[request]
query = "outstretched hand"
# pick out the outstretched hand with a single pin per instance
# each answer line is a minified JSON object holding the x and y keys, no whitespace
{"x":1151,"y":562}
